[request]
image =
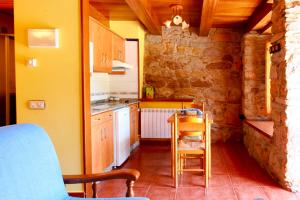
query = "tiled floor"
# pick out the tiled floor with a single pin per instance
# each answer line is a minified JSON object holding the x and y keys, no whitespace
{"x":235,"y":176}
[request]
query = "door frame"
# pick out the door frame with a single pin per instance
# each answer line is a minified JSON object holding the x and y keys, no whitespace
{"x":138,"y":56}
{"x":86,"y":101}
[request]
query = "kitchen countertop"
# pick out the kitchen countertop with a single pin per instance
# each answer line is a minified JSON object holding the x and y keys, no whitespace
{"x":100,"y":107}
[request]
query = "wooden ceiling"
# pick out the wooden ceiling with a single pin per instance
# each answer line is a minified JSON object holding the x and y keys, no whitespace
{"x":6,"y":4}
{"x":202,"y":14}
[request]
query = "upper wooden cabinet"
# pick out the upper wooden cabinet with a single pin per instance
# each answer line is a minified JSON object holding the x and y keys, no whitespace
{"x":101,"y":38}
{"x":118,"y":47}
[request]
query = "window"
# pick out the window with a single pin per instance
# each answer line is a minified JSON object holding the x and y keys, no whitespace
{"x":268,"y":79}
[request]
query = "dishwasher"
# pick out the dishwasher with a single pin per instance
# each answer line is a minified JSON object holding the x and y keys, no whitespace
{"x":122,"y":135}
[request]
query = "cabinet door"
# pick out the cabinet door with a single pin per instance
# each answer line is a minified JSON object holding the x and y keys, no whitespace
{"x":97,"y":151}
{"x":108,"y":50}
{"x":101,"y":37}
{"x":109,"y":142}
{"x":118,"y":47}
{"x":134,"y":123}
{"x":132,"y":127}
{"x":137,"y":120}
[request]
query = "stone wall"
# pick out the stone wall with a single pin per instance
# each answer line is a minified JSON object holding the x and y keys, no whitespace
{"x":254,"y":76}
{"x":281,"y":156}
{"x":179,"y":64}
{"x":284,"y":159}
{"x":258,"y":145}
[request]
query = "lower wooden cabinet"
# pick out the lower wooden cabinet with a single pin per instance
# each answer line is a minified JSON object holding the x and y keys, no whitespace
{"x":102,"y":141}
{"x":134,"y":123}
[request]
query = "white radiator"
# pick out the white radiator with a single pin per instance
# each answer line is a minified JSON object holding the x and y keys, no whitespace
{"x":154,"y":122}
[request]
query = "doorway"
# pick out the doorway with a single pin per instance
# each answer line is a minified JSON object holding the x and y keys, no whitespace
{"x":7,"y":68}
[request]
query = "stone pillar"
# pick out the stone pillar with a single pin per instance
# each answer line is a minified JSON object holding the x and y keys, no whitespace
{"x":284,"y":160}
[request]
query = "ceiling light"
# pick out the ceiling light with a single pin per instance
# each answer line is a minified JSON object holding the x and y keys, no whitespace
{"x":176,"y":18}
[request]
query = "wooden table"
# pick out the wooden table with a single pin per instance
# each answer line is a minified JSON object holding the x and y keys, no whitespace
{"x":171,"y":120}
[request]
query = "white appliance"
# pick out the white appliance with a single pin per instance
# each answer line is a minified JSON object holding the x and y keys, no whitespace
{"x":122,"y":135}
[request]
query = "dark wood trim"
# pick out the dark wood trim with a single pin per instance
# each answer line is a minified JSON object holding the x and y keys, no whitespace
{"x":207,"y":13}
{"x":117,"y":73}
{"x":266,"y":27}
{"x":257,"y":129}
{"x":131,"y":175}
{"x":155,"y":141}
{"x":260,"y":12}
{"x":93,"y":12}
{"x":86,"y":102}
{"x":166,"y":100}
{"x":77,"y":194}
{"x":145,"y":14}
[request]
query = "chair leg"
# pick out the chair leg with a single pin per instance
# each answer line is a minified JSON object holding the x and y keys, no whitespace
{"x":209,"y":162}
{"x":176,"y":171}
{"x":172,"y":151}
{"x":181,"y":164}
{"x":206,"y":173}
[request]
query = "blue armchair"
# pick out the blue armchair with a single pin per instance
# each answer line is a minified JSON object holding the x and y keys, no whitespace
{"x":29,"y":168}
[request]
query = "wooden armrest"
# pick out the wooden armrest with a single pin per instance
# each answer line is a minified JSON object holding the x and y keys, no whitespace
{"x":130,"y":174}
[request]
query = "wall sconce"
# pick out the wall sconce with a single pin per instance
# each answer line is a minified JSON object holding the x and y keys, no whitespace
{"x":43,"y":38}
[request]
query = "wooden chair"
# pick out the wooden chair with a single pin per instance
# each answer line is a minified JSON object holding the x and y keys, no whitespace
{"x":191,"y":126}
{"x":30,"y":168}
{"x":200,"y":105}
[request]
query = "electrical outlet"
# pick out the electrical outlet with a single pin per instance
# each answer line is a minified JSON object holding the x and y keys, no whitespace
{"x":37,"y":104}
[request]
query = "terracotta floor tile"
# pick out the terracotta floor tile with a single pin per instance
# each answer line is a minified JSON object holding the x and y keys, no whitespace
{"x":298,"y":195}
{"x":220,"y":193}
{"x":243,"y":180}
{"x":163,"y":181}
{"x":190,"y":193}
{"x":109,"y":191}
{"x":218,"y":168}
{"x":191,"y":179}
{"x":235,"y":176}
{"x":277,"y":193}
{"x":140,"y":191}
{"x":161,"y":193}
{"x":219,"y":180}
{"x":250,"y":193}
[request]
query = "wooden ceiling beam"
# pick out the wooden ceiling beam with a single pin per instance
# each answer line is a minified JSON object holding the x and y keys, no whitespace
{"x":6,"y":4}
{"x":207,"y":14}
{"x":93,"y":12}
{"x":266,"y":27}
{"x":145,"y":15}
{"x":260,"y":12}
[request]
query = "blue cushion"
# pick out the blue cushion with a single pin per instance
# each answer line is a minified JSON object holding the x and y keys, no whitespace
{"x":29,"y":168}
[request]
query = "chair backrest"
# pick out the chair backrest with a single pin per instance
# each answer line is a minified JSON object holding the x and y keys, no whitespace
{"x":200,"y":106}
{"x":192,"y":126}
{"x":29,"y":168}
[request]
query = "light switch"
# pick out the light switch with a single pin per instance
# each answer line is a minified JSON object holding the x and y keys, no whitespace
{"x":37,"y":104}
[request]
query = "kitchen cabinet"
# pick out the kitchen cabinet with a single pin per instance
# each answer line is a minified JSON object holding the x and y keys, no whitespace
{"x":134,"y":123}
{"x":118,"y":47}
{"x":101,"y":38}
{"x":102,"y":141}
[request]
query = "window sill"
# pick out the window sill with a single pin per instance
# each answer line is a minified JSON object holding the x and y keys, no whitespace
{"x":264,"y":127}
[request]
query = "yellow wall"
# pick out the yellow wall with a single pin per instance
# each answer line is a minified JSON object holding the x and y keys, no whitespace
{"x":132,"y":29}
{"x":57,"y":79}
